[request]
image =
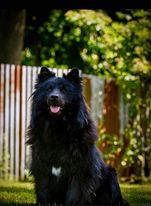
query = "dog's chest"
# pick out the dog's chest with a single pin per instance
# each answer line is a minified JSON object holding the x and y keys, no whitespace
{"x":64,"y":156}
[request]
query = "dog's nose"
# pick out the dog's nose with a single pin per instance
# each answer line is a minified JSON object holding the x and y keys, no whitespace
{"x":54,"y":97}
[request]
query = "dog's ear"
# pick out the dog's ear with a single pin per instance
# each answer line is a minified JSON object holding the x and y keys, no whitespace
{"x":73,"y":76}
{"x":45,"y":74}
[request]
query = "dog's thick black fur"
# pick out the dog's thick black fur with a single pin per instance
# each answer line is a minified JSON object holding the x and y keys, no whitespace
{"x":66,"y":165}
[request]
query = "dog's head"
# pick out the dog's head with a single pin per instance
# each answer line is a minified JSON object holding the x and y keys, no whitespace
{"x":58,"y":95}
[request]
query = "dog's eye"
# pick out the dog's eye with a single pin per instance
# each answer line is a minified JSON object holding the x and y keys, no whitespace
{"x":50,"y":89}
{"x":63,"y":89}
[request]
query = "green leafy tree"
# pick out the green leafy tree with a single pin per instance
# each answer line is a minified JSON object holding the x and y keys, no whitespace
{"x":117,"y":48}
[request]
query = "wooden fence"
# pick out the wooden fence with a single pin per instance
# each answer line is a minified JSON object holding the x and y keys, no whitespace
{"x":16,"y":85}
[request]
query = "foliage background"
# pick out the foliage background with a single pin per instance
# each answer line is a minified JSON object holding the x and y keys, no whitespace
{"x":108,"y":44}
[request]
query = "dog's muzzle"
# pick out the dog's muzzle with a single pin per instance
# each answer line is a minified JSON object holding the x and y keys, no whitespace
{"x":55,"y":104}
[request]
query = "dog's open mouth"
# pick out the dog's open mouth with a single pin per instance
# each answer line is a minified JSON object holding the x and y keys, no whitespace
{"x":55,"y":109}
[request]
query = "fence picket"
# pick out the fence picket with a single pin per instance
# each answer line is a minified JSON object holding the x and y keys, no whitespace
{"x":6,"y":125}
{"x":2,"y":87}
{"x":12,"y":110}
{"x":28,"y":108}
{"x":17,"y":119}
{"x":23,"y":119}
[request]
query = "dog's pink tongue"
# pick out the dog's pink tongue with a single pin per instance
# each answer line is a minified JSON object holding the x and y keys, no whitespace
{"x":54,"y":109}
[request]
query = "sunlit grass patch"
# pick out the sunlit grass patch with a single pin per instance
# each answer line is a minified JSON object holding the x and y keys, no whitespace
{"x":22,"y":193}
{"x":13,"y":193}
{"x":137,"y":195}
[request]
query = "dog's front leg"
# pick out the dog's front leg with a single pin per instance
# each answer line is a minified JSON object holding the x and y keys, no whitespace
{"x":73,"y":193}
{"x":41,"y":190}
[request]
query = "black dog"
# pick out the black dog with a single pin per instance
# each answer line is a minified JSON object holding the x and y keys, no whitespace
{"x":67,"y":168}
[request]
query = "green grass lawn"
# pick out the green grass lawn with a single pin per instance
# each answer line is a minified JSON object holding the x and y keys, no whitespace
{"x":16,"y":193}
{"x":22,"y":193}
{"x":137,"y":194}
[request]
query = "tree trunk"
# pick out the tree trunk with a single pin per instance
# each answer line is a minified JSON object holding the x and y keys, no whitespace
{"x":12,"y":26}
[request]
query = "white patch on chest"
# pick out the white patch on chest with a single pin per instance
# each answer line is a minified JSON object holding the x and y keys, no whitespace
{"x":56,"y":171}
